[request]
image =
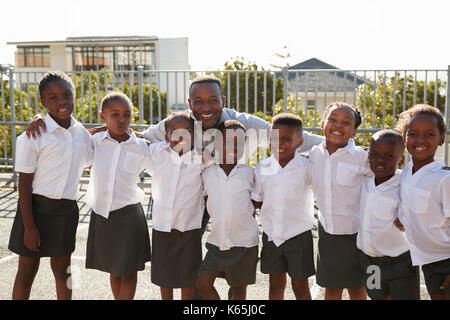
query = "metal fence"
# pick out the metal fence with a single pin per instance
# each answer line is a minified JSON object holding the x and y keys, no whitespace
{"x":379,"y":94}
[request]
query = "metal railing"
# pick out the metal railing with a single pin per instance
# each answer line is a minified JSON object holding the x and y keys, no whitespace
{"x":379,"y":94}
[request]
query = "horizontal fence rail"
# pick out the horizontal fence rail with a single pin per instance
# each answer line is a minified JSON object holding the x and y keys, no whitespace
{"x":380,"y":95}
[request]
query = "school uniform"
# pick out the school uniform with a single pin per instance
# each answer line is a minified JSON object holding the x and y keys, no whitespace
{"x":336,"y":182}
{"x":383,"y":245}
{"x":425,"y":215}
{"x":118,"y":239}
{"x":286,"y":216}
{"x":178,"y":206}
{"x":233,"y":242}
{"x":57,"y":160}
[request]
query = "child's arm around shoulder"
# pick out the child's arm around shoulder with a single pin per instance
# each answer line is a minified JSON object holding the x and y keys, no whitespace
{"x":257,"y":195}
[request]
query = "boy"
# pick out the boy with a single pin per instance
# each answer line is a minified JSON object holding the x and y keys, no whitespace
{"x":283,"y":192}
{"x":381,"y":244}
{"x":233,"y":242}
{"x":49,"y":171}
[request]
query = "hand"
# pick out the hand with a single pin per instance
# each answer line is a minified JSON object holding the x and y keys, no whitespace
{"x":399,"y":225}
{"x":139,"y":135}
{"x":95,"y":130}
{"x":35,"y":125}
{"x":32,"y":239}
{"x":446,"y":282}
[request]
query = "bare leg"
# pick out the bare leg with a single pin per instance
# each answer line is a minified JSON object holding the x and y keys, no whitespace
{"x":301,"y":289}
{"x":277,"y":286}
{"x":187,"y":293}
{"x":59,"y":267}
{"x":26,"y":272}
{"x":239,"y":293}
{"x":166,"y":293}
{"x":205,"y":284}
{"x":128,"y":287}
{"x":333,"y":293}
{"x":357,"y":294}
{"x":115,"y":285}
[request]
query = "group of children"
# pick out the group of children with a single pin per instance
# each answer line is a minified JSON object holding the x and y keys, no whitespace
{"x":370,"y":213}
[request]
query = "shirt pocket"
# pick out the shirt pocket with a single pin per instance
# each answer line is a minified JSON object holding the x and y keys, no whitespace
{"x":385,"y":208}
{"x":132,"y":162}
{"x":419,"y":200}
{"x":346,"y":174}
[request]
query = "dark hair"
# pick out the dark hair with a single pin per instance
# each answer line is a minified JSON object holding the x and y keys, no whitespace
{"x":53,"y":76}
{"x":287,"y":119}
{"x":178,"y":115}
{"x":115,"y":97}
{"x":390,"y":134}
{"x":206,"y":79}
{"x":406,"y":116}
{"x":338,"y":104}
{"x":228,"y":124}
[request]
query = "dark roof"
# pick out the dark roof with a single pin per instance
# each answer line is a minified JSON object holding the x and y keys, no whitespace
{"x":312,"y":63}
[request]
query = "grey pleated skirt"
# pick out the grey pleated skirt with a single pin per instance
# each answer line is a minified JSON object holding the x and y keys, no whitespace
{"x":176,"y":258}
{"x":338,"y":264}
{"x":56,"y":221}
{"x":119,"y":245}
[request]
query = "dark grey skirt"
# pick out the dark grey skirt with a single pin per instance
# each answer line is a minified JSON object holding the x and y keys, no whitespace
{"x":56,"y":221}
{"x":338,"y":264}
{"x":119,"y":245}
{"x":176,"y":258}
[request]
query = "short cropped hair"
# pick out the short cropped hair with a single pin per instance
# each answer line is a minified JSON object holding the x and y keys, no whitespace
{"x":287,"y":119}
{"x":115,"y":97}
{"x":178,"y":115}
{"x":231,"y":124}
{"x":358,"y":119}
{"x":390,"y":134}
{"x":53,"y":76}
{"x":206,"y":79}
{"x":406,"y":116}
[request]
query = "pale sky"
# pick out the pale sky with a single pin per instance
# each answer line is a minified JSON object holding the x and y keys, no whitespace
{"x":350,"y":34}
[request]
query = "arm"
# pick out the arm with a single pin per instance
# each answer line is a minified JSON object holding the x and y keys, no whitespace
{"x":309,"y":141}
{"x":33,"y":128}
{"x":154,"y":133}
{"x":32,"y":239}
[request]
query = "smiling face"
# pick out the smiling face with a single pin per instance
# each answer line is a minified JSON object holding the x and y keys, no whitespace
{"x":206,"y":102}
{"x":422,"y":138}
{"x":284,"y":140}
{"x":58,"y":99}
{"x":339,"y":127}
{"x":117,"y":116}
{"x":180,"y":135}
{"x":385,"y":155}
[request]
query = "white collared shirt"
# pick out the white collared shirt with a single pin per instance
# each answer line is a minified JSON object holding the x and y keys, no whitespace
{"x":287,"y":198}
{"x":425,"y":211}
{"x":114,"y":173}
{"x":156,"y":133}
{"x":336,"y":181}
{"x":377,"y":235}
{"x":57,"y":158}
{"x":177,"y":188}
{"x":230,"y":206}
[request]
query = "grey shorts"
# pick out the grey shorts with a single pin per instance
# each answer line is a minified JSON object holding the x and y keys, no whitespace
{"x":435,"y":274}
{"x":294,"y":256}
{"x":237,"y":265}
{"x":338,"y":261}
{"x":399,"y":279}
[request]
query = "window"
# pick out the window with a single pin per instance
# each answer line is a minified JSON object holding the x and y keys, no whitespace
{"x":33,"y":57}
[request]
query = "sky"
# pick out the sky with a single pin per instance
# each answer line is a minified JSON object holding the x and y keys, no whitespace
{"x":349,"y":34}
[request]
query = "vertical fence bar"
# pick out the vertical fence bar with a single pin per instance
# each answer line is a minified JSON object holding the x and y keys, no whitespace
{"x":274,"y":95}
{"x":19,"y":78}
{"x":255,"y":95}
{"x":265,"y":92}
{"x":5,"y":150}
{"x":384,"y":99}
{"x":13,"y":119}
{"x":90,"y":97}
{"x":436,"y":89}
{"x":237,"y":91}
{"x":285,"y":88}
{"x":36,"y":91}
{"x":364,"y":106}
{"x":150,"y":103}
{"x":394,"y":106}
{"x":246,"y":92}
{"x":141,"y":94}
{"x":447,"y":116}
{"x":159,"y":96}
{"x":415,"y":88}
{"x":425,"y":87}
{"x":404,"y":90}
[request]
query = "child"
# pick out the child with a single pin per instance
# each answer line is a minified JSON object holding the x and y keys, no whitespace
{"x":381,"y":244}
{"x":233,"y":242}
{"x":283,"y":192}
{"x":424,"y":194}
{"x":178,"y":207}
{"x":49,"y":171}
{"x":118,"y":240}
{"x":337,"y":172}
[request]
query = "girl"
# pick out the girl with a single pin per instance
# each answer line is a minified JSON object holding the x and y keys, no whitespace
{"x":118,"y":240}
{"x":424,"y":194}
{"x":49,"y":171}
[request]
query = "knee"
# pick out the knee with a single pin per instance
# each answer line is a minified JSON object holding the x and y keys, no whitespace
{"x":60,"y":267}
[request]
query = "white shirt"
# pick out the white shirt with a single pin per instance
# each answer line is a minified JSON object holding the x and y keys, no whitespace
{"x":287,"y":198}
{"x":425,"y":211}
{"x":114,"y":173}
{"x":177,"y":188}
{"x":377,"y":235}
{"x":336,"y":181}
{"x":230,"y":207}
{"x":156,"y":133}
{"x":57,"y":158}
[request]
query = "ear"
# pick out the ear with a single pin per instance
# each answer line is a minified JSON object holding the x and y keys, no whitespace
{"x":102,"y":117}
{"x":442,"y":139}
{"x":354,"y":133}
{"x":224,"y":99}
{"x":300,"y":141}
{"x":402,"y":161}
{"x":189,"y":102}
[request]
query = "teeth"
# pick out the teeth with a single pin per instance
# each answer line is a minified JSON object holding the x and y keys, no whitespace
{"x":281,"y":150}
{"x":421,"y":148}
{"x":336,"y":133}
{"x":207,"y":115}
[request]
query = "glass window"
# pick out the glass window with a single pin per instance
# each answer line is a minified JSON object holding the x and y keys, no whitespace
{"x":33,"y":57}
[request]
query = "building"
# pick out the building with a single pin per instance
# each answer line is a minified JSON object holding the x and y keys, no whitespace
{"x":115,"y":53}
{"x":316,"y":89}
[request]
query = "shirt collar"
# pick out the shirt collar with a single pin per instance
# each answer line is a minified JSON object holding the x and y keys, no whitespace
{"x":131,"y":139}
{"x":350,"y":147}
{"x":51,"y":124}
{"x":393,"y":182}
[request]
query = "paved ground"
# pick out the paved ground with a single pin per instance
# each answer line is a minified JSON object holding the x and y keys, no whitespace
{"x":92,"y":284}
